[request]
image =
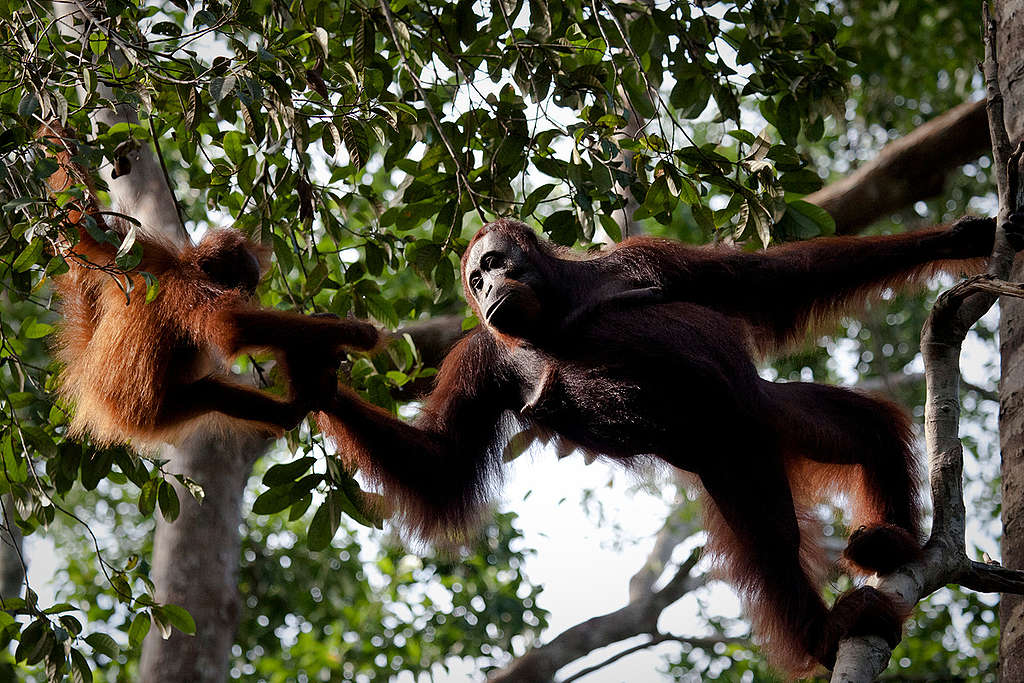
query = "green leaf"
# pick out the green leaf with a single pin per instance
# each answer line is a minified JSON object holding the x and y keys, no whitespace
{"x":59,"y":608}
{"x":636,"y":88}
{"x":535,"y":198}
{"x":659,"y":196}
{"x":704,"y":216}
{"x":815,"y":128}
{"x":20,"y":399}
{"x":806,"y":220}
{"x":787,"y":119}
{"x":611,"y":227}
{"x":39,"y":440}
{"x":233,"y":147}
{"x":299,"y":507}
{"x":152,"y":286}
{"x":139,"y":628}
{"x":170,"y":507}
{"x":690,"y":96}
{"x":97,"y":43}
{"x":561,"y":226}
{"x":35,"y":642}
{"x":161,"y":622}
{"x":44,"y":168}
{"x":180,"y":619}
{"x":221,"y":87}
{"x":38,"y":330}
{"x":273,"y":500}
{"x":287,"y":473}
{"x":103,"y":644}
{"x":166,"y":28}
{"x":80,"y":672}
{"x":356,"y":141}
{"x":324,"y":525}
{"x":28,"y":105}
{"x":374,"y":259}
{"x":803,"y":181}
{"x":147,"y":497}
{"x":71,"y":624}
{"x":28,"y":256}
{"x":353,"y":503}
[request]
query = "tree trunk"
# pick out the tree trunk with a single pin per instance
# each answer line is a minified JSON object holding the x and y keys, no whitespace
{"x":1010,"y":47}
{"x":195,"y":561}
{"x":12,"y":560}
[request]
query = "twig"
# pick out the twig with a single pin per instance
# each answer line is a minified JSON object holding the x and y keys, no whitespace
{"x":167,"y":177}
{"x":1004,"y":158}
{"x":656,"y":639}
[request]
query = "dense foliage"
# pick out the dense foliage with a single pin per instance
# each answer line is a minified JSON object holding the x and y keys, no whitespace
{"x":364,"y":143}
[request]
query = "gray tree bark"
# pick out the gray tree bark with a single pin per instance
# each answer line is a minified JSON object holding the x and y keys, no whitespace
{"x":1009,"y":17}
{"x":195,"y":560}
{"x":12,"y":559}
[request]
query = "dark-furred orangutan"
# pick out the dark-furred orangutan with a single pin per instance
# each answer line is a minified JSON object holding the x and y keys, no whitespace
{"x":151,"y":372}
{"x":647,"y":351}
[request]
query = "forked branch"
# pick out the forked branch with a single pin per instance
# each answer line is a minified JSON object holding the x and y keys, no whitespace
{"x":945,"y":559}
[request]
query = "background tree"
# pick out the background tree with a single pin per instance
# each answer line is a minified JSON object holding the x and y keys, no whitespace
{"x":365,"y":142}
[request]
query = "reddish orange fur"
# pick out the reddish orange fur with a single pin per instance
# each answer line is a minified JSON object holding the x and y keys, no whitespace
{"x":152,"y":372}
{"x":645,"y":351}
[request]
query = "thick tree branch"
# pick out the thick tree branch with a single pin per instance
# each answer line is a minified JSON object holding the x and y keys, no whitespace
{"x":906,"y":170}
{"x":945,"y":559}
{"x":433,"y":337}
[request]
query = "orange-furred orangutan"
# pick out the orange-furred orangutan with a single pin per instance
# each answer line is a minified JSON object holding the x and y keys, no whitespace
{"x":151,"y":372}
{"x":646,"y":351}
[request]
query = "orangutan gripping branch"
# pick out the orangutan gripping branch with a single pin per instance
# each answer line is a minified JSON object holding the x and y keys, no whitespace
{"x":647,"y":350}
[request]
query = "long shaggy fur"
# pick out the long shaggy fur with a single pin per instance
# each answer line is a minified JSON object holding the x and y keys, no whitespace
{"x":119,"y":353}
{"x":441,"y":471}
{"x":152,"y":372}
{"x":615,"y":351}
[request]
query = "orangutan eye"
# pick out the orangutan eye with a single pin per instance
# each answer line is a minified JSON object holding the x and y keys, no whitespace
{"x":492,"y":260}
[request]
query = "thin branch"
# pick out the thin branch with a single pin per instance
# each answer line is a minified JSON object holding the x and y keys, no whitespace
{"x":702,"y":643}
{"x":638,"y":617}
{"x":1004,"y":161}
{"x":167,"y":176}
{"x":989,"y":284}
{"x":675,"y":531}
